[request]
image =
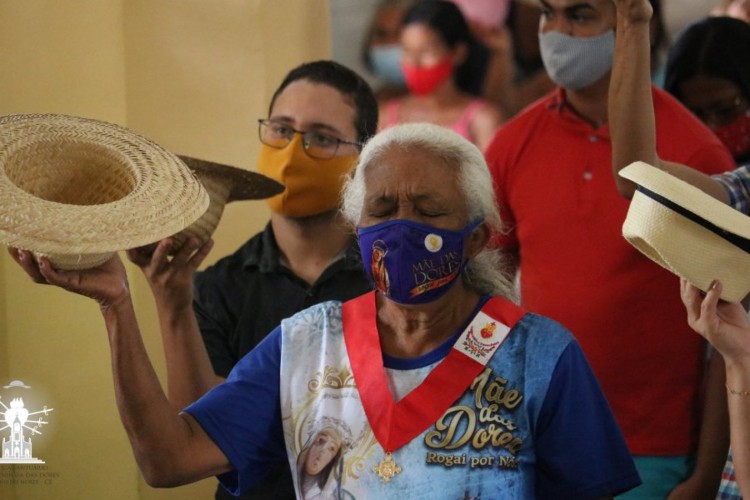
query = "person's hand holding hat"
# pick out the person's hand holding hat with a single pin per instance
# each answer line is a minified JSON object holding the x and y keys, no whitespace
{"x":107,"y":283}
{"x":76,"y":190}
{"x":724,"y":324}
{"x":171,"y":278}
{"x":224,"y":184}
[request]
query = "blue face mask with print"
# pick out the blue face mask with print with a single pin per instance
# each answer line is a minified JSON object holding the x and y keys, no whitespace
{"x":412,"y":263}
{"x":574,"y":62}
{"x":386,"y":64}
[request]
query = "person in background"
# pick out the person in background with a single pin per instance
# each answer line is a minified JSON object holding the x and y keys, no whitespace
{"x":444,"y":69}
{"x":381,"y":51}
{"x":523,"y":26}
{"x":485,"y":13}
{"x":709,"y":72}
{"x":515,"y":75}
{"x":724,"y":324}
{"x":317,"y":121}
{"x":552,"y":170}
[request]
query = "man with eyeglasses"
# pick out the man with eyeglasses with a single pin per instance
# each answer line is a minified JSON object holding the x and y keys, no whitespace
{"x":318,"y":119}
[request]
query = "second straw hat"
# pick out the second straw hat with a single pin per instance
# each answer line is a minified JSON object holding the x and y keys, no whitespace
{"x":688,"y":232}
{"x":77,"y":190}
{"x":224,"y":184}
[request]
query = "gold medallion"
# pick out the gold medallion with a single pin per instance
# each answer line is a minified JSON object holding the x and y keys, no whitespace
{"x":387,"y":468}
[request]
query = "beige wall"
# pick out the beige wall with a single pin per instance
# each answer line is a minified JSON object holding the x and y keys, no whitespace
{"x":191,"y":74}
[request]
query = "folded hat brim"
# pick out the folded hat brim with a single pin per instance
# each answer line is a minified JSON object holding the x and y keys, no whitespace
{"x":243,"y":184}
{"x":689,"y":197}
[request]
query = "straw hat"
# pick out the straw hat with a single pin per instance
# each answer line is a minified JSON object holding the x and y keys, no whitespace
{"x":224,"y":185}
{"x":77,"y":190}
{"x":688,"y":232}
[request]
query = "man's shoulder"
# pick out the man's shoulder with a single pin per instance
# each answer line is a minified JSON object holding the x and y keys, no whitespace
{"x":531,"y":114}
{"x":528,"y":330}
{"x":522,"y":128}
{"x":542,"y":331}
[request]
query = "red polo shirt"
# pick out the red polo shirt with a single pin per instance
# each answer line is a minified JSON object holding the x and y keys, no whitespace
{"x":554,"y":185}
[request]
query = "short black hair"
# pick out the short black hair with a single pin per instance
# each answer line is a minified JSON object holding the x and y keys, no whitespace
{"x":346,"y":81}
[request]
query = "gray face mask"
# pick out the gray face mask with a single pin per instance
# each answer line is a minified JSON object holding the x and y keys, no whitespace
{"x":575,"y":63}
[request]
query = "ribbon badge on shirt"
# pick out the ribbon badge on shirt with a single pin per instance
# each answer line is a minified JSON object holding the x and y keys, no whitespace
{"x":480,"y":347}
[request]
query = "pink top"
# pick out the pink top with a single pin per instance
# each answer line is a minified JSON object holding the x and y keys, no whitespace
{"x":461,"y":126}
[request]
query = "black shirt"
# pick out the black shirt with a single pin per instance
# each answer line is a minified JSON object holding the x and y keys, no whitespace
{"x":244,"y":296}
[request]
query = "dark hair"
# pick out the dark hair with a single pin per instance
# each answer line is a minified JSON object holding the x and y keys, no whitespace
{"x":715,"y":46}
{"x":346,"y":81}
{"x":446,"y":20}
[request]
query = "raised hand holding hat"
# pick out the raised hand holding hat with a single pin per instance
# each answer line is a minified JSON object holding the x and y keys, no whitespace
{"x":77,"y":190}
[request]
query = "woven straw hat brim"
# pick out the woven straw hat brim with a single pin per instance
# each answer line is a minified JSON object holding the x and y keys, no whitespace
{"x":681,"y":245}
{"x":243,"y":184}
{"x":689,"y":197}
{"x":224,"y":184}
{"x":71,"y":185}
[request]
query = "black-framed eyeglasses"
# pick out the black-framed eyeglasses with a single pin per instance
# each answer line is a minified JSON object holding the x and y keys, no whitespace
{"x":316,"y":144}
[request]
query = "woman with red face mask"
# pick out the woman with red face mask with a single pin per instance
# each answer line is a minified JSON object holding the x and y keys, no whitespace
{"x":709,"y":72}
{"x":444,"y":69}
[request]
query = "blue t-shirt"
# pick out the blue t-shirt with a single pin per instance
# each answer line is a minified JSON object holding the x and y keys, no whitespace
{"x":271,"y":407}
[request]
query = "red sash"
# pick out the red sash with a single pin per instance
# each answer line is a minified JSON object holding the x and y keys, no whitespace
{"x":395,"y":424}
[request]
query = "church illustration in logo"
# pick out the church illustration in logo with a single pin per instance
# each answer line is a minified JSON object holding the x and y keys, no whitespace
{"x":17,"y":449}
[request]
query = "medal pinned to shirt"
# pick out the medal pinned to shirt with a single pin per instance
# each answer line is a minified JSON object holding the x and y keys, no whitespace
{"x":396,"y":423}
{"x":387,"y":468}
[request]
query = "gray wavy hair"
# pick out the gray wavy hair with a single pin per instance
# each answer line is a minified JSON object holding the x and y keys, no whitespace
{"x":487,"y":272}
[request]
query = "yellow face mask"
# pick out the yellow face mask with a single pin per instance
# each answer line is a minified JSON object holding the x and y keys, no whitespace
{"x":312,"y":186}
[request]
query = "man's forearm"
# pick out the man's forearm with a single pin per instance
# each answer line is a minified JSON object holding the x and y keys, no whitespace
{"x":631,"y":108}
{"x":189,"y":371}
{"x":631,"y":113}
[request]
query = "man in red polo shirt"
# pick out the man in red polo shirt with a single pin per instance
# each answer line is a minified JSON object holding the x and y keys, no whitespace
{"x":552,"y":169}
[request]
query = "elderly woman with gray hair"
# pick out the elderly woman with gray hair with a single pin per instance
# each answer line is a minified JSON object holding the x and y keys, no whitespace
{"x":448,"y":387}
